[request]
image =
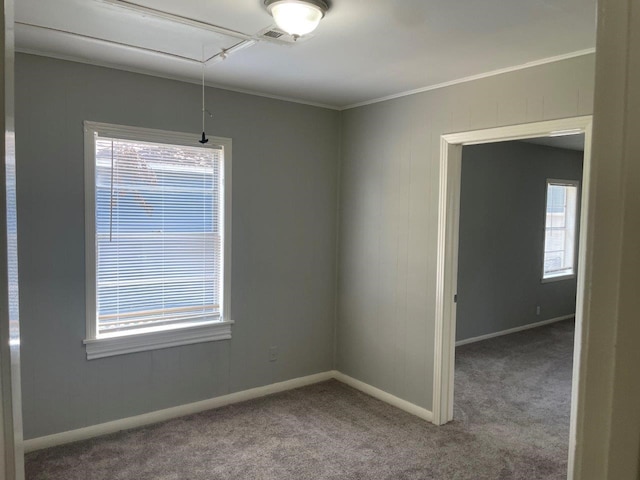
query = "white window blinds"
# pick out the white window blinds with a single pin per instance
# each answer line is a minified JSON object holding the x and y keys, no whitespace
{"x":560,"y":228}
{"x":159,"y":243}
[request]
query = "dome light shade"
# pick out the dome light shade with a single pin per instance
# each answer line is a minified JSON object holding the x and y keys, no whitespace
{"x":297,"y":17}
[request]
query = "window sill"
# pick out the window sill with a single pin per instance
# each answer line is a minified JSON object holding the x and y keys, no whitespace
{"x":120,"y":345}
{"x":558,"y":278}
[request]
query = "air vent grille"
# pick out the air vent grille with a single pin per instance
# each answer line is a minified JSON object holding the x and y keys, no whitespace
{"x":272,"y":34}
{"x":275,"y":35}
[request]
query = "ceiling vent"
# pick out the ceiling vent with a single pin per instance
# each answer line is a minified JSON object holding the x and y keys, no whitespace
{"x":275,"y":35}
{"x":272,"y":34}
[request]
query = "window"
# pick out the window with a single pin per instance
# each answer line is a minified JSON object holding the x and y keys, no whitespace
{"x":560,"y":229}
{"x":157,"y":223}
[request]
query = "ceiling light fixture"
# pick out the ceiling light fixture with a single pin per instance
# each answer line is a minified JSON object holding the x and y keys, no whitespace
{"x":297,"y":17}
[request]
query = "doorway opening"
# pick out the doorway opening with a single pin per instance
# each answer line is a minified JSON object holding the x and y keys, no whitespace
{"x":553,"y":261}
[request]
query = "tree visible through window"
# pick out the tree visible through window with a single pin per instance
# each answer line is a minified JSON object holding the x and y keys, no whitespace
{"x":560,"y":229}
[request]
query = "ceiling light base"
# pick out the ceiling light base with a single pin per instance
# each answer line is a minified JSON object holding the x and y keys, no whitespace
{"x":297,"y":17}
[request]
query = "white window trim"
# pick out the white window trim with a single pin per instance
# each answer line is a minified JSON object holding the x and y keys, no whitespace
{"x":159,"y":338}
{"x":567,"y":183}
{"x":558,"y":278}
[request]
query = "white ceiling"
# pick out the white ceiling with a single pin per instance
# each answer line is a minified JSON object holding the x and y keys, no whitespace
{"x":363,"y":49}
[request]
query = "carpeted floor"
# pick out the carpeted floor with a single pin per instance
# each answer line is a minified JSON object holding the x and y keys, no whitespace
{"x":512,"y":422}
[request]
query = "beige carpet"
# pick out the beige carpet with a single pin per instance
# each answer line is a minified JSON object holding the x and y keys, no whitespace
{"x":512,"y":416}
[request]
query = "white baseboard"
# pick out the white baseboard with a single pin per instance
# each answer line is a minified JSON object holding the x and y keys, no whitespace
{"x":384,"y":396}
{"x":170,"y":413}
{"x":514,"y":330}
{"x":217,"y":402}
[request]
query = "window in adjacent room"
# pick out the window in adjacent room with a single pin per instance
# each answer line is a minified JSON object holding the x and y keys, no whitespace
{"x":157,"y":223}
{"x":560,"y":230}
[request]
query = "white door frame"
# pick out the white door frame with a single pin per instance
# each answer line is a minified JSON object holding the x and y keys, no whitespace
{"x":447,"y":257}
{"x":11,"y":448}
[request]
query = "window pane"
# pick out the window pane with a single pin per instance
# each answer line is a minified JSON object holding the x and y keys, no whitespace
{"x":560,"y":224}
{"x":158,"y":234}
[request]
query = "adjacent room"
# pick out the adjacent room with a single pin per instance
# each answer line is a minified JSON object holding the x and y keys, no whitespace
{"x":517,"y":286}
{"x":229,"y":225}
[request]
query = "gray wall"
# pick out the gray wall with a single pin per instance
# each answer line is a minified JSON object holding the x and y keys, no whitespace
{"x":285,"y":167}
{"x":389,"y":212}
{"x":502,"y":212}
{"x":286,"y":160}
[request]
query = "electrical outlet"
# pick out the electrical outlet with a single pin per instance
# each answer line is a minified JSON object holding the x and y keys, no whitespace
{"x":273,"y":354}
{"x":537,"y":309}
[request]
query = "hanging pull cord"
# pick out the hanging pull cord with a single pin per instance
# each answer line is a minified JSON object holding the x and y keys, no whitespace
{"x":204,"y":136}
